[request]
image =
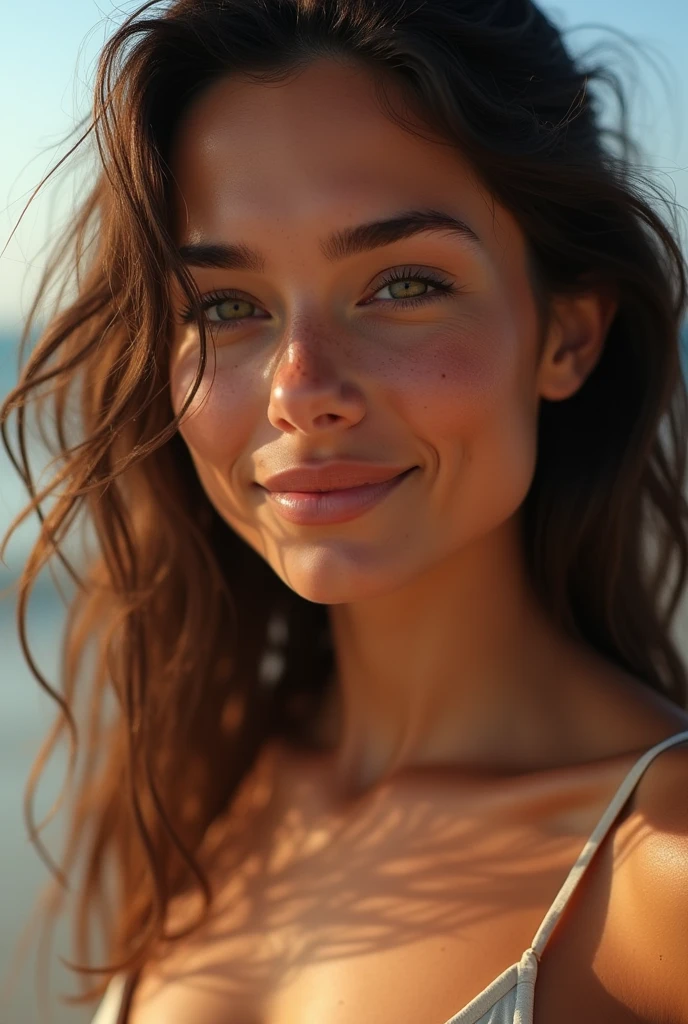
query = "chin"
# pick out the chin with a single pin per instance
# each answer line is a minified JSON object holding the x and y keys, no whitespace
{"x":326,"y":575}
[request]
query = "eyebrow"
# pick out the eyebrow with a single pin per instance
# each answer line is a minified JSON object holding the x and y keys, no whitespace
{"x":337,"y":246}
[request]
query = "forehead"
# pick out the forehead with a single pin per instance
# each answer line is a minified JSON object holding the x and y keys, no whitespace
{"x":317,"y":152}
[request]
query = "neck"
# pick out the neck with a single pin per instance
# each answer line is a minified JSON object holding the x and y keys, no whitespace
{"x":461,"y":666}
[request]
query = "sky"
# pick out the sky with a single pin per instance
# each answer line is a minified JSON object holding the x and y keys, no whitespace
{"x":48,"y":52}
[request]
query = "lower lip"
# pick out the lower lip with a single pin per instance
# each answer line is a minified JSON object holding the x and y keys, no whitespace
{"x":311,"y":508}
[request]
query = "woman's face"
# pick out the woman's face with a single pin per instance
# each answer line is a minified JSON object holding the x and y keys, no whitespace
{"x":319,"y":358}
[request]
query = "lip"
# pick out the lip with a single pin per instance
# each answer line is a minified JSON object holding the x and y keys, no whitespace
{"x":331,"y":476}
{"x":309,"y":496}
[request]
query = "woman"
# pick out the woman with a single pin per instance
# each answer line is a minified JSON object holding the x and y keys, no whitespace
{"x":376,"y":345}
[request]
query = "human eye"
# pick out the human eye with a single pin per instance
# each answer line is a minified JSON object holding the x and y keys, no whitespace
{"x":406,"y":281}
{"x":226,"y":310}
{"x":223,"y":310}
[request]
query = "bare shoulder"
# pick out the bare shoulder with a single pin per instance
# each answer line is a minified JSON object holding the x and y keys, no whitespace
{"x":180,"y":995}
{"x":213,"y":971}
{"x":220,"y":965}
{"x":206,"y":977}
{"x":653,"y":884}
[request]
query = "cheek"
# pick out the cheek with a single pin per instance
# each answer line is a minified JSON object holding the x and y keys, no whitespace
{"x":222,"y":413}
{"x":464,"y":380}
{"x":471,"y":401}
{"x":217,"y":428}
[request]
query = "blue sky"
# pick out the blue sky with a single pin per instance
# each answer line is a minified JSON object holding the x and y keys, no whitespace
{"x":47,"y":59}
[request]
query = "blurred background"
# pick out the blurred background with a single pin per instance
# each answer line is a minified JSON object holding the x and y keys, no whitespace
{"x":48,"y":53}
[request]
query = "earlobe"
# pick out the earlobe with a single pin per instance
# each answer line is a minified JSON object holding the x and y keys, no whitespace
{"x":575,"y":342}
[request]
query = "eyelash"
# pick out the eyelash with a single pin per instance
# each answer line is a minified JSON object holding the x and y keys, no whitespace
{"x":443,"y":287}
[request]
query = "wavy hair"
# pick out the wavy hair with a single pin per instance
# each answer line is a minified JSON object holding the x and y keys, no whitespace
{"x":200,"y":652}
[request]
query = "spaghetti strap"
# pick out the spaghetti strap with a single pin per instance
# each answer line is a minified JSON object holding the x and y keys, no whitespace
{"x":599,"y":832}
{"x":127,"y":996}
{"x":509,"y":996}
{"x":116,"y":1003}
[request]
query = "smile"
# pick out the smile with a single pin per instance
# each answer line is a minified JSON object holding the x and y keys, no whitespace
{"x":317,"y":508}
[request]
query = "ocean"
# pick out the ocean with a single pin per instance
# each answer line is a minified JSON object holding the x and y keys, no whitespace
{"x":26,"y":715}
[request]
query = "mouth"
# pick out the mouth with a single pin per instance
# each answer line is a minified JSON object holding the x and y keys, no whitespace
{"x":311,"y":508}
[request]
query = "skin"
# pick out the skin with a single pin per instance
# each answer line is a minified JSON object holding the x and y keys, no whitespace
{"x":440,"y":644}
{"x":456,"y":700}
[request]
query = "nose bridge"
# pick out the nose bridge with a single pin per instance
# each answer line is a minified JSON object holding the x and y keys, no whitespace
{"x":310,"y":385}
{"x":305,"y":359}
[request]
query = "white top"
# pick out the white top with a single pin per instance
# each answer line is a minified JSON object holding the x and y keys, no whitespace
{"x":509,"y":998}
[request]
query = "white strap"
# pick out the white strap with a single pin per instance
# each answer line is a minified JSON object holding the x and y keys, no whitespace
{"x":109,"y":1007}
{"x":604,"y":824}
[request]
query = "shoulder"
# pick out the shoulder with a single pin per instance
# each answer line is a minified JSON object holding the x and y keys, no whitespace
{"x":217,"y":970}
{"x":192,"y":989}
{"x":179,"y":998}
{"x":210,"y":975}
{"x":653,"y":875}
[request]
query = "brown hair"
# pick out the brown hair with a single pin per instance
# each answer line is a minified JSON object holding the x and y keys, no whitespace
{"x":181,"y":612}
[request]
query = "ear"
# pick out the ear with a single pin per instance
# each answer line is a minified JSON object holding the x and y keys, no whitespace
{"x":575,"y":340}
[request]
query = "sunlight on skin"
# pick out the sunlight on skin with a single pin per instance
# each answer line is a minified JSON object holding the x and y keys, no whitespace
{"x":451,"y":386}
{"x":325,"y":365}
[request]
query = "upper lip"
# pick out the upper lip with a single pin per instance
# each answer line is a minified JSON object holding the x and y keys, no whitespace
{"x":331,"y":476}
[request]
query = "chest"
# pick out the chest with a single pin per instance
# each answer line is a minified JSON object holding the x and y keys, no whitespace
{"x":407,"y":913}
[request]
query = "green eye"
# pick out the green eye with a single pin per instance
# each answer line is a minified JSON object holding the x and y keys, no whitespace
{"x":406,"y":289}
{"x":229,"y":309}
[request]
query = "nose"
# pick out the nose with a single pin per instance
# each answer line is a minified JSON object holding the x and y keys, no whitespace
{"x":309,"y":394}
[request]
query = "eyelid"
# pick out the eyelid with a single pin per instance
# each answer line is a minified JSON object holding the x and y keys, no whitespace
{"x":399,"y":271}
{"x":215,"y":298}
{"x":435,"y":276}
